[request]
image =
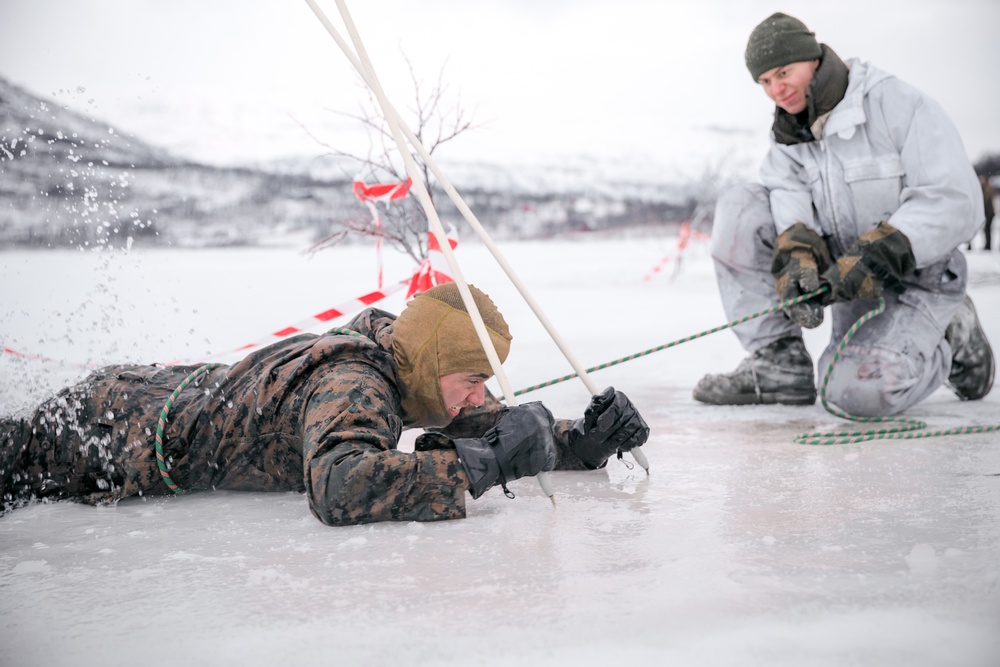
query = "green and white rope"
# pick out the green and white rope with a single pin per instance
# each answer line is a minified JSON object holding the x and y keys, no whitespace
{"x":609,"y":364}
{"x":908,"y":427}
{"x":346,"y":332}
{"x":161,"y":462}
{"x":164,"y":415}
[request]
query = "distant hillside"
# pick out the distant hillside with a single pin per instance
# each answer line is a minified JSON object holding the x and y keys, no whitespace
{"x":67,"y":179}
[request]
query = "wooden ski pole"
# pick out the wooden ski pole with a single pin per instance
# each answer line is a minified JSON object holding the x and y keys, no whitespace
{"x":420,"y":189}
{"x":473,"y":221}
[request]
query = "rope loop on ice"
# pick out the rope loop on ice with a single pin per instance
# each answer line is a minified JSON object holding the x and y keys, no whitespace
{"x":908,"y":429}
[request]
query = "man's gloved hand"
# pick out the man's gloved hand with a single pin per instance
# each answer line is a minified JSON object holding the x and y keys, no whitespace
{"x":611,"y":422}
{"x":880,"y":258}
{"x":800,"y":256}
{"x":521,"y":444}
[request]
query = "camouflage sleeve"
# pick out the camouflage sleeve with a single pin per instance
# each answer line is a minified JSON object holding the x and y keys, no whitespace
{"x":353,"y":471}
{"x":566,"y":459}
{"x":475,"y":422}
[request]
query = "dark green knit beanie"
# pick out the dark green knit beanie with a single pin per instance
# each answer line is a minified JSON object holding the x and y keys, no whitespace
{"x":779,"y":40}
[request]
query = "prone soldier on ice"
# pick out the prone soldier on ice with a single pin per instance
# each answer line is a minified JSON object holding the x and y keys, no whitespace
{"x":316,"y":413}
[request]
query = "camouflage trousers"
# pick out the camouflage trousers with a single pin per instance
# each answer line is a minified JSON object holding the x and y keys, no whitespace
{"x":894,"y":361}
{"x":92,"y":442}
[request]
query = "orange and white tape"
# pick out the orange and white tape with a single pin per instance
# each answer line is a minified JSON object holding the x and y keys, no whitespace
{"x":684,"y":237}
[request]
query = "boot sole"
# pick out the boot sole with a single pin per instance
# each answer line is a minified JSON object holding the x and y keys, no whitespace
{"x":766,"y":398}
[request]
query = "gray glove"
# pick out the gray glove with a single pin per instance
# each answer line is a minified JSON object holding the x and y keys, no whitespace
{"x":610,"y":423}
{"x":520,"y":445}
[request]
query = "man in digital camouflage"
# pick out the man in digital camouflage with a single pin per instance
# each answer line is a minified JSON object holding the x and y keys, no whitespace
{"x":868,"y":192}
{"x":316,"y":413}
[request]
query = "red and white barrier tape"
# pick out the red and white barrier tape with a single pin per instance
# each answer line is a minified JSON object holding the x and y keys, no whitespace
{"x":38,"y":357}
{"x":347,"y":308}
{"x":381,"y":192}
{"x":684,"y":237}
{"x":431,"y":271}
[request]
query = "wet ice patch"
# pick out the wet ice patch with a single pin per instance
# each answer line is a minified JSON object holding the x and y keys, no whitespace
{"x":354,"y":542}
{"x":142,"y":573}
{"x":188,"y":556}
{"x":266,"y":576}
{"x":31,"y":566}
{"x":922,"y":559}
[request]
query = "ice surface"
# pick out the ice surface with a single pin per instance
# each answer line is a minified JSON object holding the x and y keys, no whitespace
{"x":740,"y":548}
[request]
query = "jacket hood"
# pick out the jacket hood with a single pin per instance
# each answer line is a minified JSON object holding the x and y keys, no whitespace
{"x":433,"y":337}
{"x":374,"y":324}
{"x":851,"y":111}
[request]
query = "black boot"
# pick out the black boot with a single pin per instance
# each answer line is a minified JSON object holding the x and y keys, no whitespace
{"x":781,"y":372}
{"x":972,"y":364}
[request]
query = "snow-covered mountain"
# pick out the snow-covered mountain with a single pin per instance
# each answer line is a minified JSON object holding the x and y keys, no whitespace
{"x":68,"y":179}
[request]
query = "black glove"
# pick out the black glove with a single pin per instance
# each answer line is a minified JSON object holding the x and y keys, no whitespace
{"x":521,"y":444}
{"x":880,"y":258}
{"x":610,"y":423}
{"x":800,"y":256}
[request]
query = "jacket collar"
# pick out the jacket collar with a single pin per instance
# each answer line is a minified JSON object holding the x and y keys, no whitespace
{"x":826,"y":91}
{"x":850,"y":113}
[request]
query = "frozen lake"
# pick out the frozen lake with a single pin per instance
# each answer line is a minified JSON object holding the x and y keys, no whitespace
{"x":740,"y":547}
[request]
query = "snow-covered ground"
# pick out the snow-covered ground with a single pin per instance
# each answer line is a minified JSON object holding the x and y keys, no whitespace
{"x":740,"y":547}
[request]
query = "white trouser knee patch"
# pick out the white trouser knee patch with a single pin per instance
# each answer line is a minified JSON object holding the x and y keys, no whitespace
{"x":873,"y":383}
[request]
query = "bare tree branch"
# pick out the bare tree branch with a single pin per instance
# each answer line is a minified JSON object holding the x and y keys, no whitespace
{"x":404,"y":223}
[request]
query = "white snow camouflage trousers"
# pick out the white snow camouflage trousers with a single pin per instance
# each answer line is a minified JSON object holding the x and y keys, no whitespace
{"x":893,"y":361}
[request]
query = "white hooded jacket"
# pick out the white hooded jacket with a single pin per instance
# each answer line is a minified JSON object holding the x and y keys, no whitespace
{"x":886,"y":152}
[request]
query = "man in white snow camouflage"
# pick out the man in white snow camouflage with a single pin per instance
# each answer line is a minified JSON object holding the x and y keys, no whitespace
{"x":866,"y":190}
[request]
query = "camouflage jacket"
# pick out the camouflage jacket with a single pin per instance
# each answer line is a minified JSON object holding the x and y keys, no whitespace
{"x":313,"y":413}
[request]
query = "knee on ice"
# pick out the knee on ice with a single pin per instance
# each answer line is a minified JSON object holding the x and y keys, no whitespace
{"x":875,"y":384}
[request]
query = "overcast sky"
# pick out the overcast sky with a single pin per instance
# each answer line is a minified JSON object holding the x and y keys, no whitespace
{"x":229,"y":80}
